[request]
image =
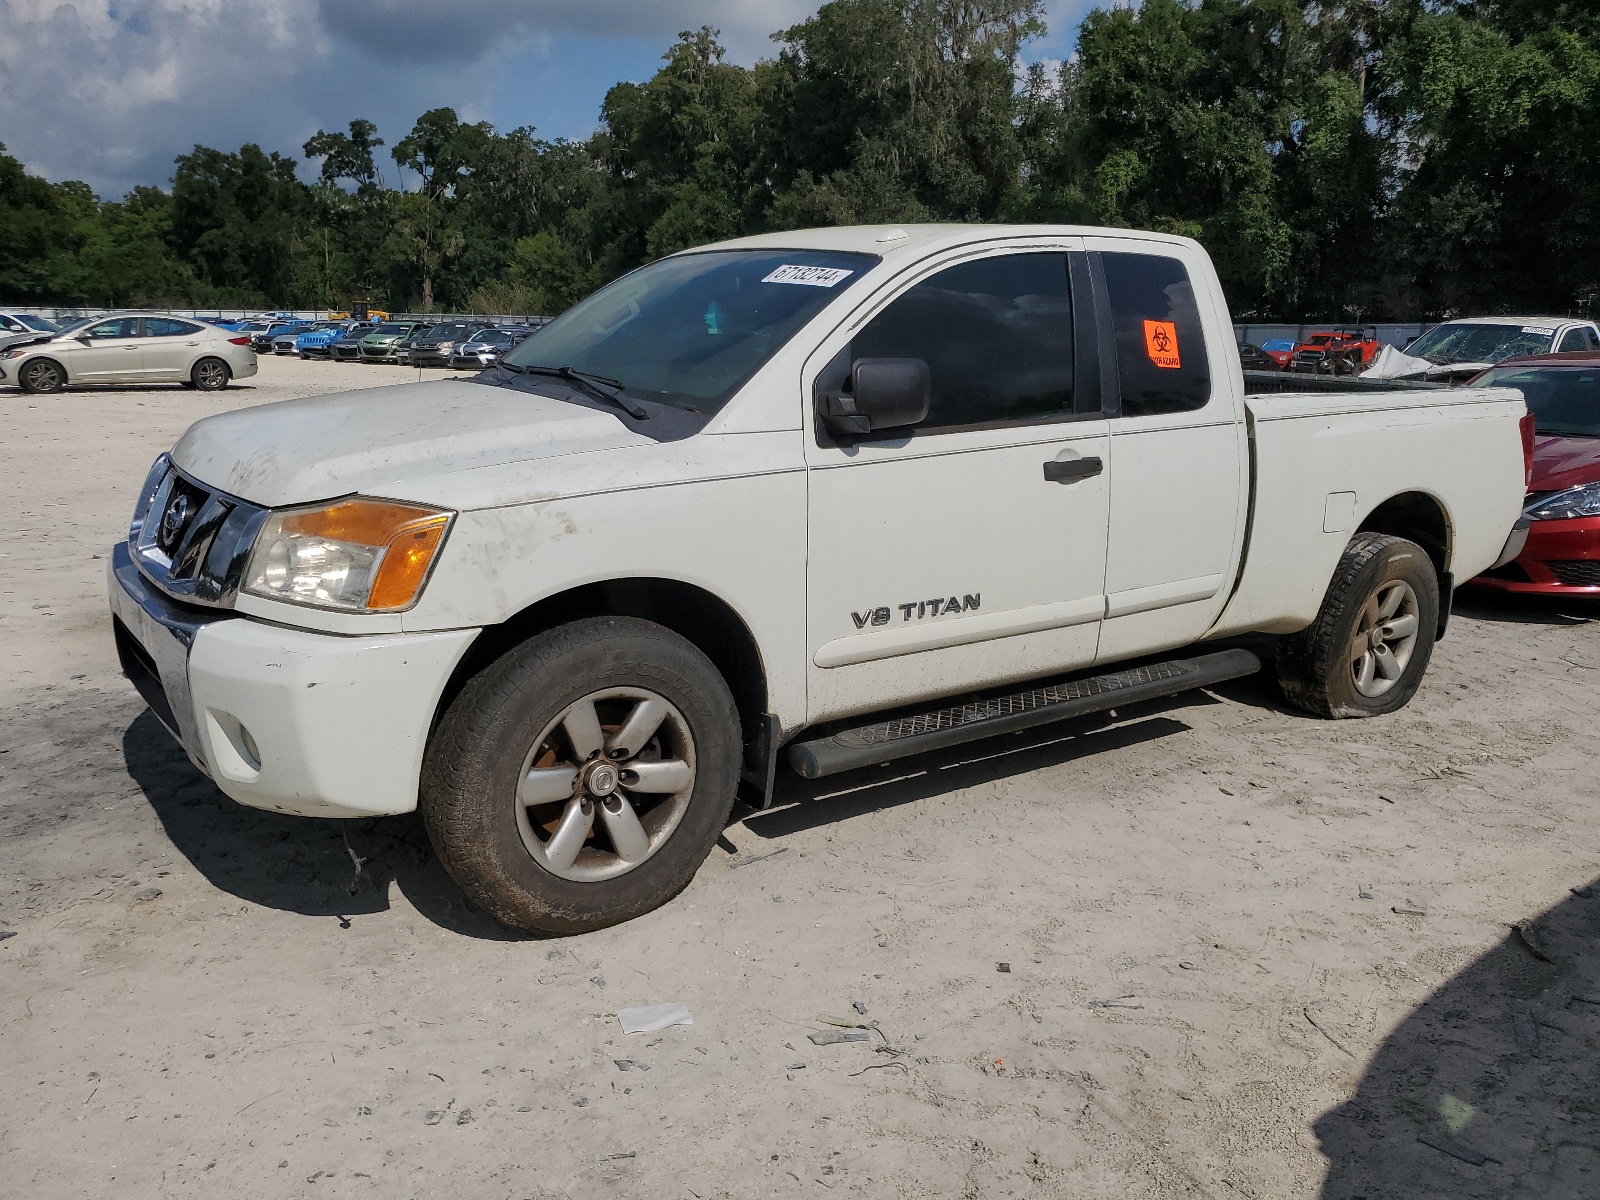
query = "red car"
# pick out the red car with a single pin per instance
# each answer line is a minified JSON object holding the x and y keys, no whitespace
{"x":1562,"y":554}
{"x":1336,"y":351}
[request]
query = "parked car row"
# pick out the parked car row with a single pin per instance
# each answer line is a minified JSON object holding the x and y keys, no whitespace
{"x":133,"y":347}
{"x":459,"y":345}
{"x":1451,"y":352}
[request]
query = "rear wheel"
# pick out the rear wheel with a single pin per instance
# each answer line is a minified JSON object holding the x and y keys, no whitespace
{"x":1366,"y":652}
{"x":41,"y":376}
{"x":582,"y":779}
{"x":210,"y":375}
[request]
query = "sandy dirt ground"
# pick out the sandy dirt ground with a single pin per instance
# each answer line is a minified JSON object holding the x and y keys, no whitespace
{"x":1247,"y":953}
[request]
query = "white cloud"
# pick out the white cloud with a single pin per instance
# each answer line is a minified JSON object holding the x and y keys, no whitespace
{"x":110,"y":91}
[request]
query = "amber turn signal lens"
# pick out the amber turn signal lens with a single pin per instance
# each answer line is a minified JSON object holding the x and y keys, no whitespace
{"x":370,"y":555}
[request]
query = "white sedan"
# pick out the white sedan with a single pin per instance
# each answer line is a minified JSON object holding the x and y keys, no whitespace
{"x":133,"y":347}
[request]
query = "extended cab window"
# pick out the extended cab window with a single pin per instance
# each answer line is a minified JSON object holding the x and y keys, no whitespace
{"x":996,"y":335}
{"x":1161,"y":350}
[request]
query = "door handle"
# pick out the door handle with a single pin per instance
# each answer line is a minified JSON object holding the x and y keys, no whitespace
{"x":1070,"y":470}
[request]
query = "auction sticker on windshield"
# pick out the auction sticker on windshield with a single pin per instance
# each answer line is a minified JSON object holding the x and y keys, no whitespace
{"x":1161,"y":343}
{"x":809,"y":276}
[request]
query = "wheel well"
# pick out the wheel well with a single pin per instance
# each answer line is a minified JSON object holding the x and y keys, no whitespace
{"x":691,"y":612}
{"x":1417,"y":517}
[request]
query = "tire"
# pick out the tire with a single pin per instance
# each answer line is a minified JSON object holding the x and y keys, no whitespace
{"x":41,"y":377}
{"x":210,"y":375}
{"x":1326,"y":670}
{"x":508,"y":741}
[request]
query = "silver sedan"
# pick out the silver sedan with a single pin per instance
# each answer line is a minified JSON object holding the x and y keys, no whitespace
{"x":133,"y":347}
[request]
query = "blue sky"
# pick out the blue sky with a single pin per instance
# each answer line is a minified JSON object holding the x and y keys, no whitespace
{"x":110,"y":91}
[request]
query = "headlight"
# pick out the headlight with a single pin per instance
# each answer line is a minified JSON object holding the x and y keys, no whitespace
{"x":1581,"y":501}
{"x":357,"y":555}
{"x":446,"y":347}
{"x":14,"y":352}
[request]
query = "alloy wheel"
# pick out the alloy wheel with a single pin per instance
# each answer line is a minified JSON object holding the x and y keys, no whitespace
{"x":605,"y":784}
{"x":1385,"y":637}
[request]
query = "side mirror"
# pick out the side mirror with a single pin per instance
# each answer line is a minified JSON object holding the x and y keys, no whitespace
{"x":84,"y":338}
{"x":885,"y":393}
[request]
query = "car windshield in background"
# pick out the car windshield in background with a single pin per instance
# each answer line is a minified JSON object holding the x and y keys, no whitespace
{"x":78,"y":324}
{"x":386,"y":328}
{"x":1564,"y":401}
{"x":1279,"y":344}
{"x":689,"y":330}
{"x":1445,"y":344}
{"x":443,"y":332}
{"x":38,"y":323}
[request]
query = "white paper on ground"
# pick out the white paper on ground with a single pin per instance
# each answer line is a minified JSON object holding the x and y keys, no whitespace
{"x":650,"y":1017}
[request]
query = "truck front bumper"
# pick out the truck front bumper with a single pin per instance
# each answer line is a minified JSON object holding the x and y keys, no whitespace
{"x":282,"y":719}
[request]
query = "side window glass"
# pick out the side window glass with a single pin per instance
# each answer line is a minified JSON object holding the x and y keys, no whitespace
{"x":1574,"y":339}
{"x":164,"y":327}
{"x":1594,"y":339}
{"x":1161,"y":350}
{"x":996,"y":335}
{"x":121,"y":327}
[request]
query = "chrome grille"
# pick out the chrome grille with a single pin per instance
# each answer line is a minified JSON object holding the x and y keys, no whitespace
{"x":1004,"y":706}
{"x":191,"y":541}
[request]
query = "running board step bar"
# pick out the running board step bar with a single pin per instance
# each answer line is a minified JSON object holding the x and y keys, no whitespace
{"x":918,"y":733}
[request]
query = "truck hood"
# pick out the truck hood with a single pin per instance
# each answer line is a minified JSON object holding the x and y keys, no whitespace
{"x":373,"y":441}
{"x":1563,"y":462}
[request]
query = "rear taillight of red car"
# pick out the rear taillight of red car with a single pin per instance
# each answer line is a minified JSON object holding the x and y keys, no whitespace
{"x":239,"y":341}
{"x":1526,"y":426}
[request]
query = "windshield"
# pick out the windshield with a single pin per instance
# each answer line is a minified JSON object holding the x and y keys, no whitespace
{"x":38,"y":323}
{"x":1457,"y":343}
{"x":1564,"y":401}
{"x":1278,"y":344}
{"x":449,"y":331}
{"x":78,"y":324}
{"x":689,"y":330}
{"x":387,"y":328}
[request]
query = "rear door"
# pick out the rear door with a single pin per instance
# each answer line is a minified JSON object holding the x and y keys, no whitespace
{"x":171,"y":347}
{"x":1178,"y":441}
{"x":930,"y":550}
{"x":108,"y":351}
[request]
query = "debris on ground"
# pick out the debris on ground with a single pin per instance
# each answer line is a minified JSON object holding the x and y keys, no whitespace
{"x":755,"y":858}
{"x":1117,"y":1003}
{"x":149,"y":893}
{"x":1408,"y":911}
{"x":1582,"y":892}
{"x":1363,"y":892}
{"x":859,"y":1007}
{"x":1458,"y":1150}
{"x":622,"y":1154}
{"x":827,"y":1037}
{"x":1003,"y":968}
{"x":795,"y":1066}
{"x":648,"y":1018}
{"x":1185,"y":965}
{"x":7,"y":933}
{"x":464,"y":1117}
{"x":433,"y":1116}
{"x":1529,"y":934}
{"x":598,"y":980}
{"x":623,"y":1064}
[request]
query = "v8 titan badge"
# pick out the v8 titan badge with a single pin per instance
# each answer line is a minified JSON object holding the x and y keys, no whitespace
{"x":1161,"y":344}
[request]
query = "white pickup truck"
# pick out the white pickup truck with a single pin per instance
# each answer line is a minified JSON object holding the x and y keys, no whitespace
{"x":784,"y":497}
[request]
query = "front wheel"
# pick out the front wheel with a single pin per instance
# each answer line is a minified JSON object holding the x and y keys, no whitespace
{"x":1366,"y":652}
{"x":210,"y":375}
{"x":582,"y":779}
{"x":41,"y":377}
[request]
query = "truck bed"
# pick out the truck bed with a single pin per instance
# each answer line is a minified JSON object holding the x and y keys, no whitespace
{"x":1325,"y":459}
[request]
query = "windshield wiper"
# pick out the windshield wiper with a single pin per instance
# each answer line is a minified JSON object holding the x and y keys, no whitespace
{"x":595,"y":385}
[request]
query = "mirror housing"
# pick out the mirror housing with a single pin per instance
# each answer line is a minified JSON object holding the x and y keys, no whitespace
{"x":885,"y":393}
{"x":84,"y":338}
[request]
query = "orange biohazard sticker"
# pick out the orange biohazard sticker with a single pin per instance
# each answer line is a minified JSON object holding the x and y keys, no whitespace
{"x":1161,"y":343}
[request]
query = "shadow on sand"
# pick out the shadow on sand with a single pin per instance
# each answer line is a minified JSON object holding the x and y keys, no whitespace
{"x":1491,"y":1088}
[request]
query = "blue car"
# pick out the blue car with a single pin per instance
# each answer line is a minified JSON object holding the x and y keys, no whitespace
{"x":318,"y":342}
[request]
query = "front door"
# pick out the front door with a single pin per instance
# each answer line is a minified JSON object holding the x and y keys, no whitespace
{"x":106,"y":352}
{"x":932,"y":549}
{"x":1179,"y":441}
{"x":170,"y":348}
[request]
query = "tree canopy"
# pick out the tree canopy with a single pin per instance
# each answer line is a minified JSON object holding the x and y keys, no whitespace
{"x":1339,"y":158}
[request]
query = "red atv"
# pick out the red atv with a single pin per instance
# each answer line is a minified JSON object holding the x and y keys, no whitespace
{"x":1343,"y":351}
